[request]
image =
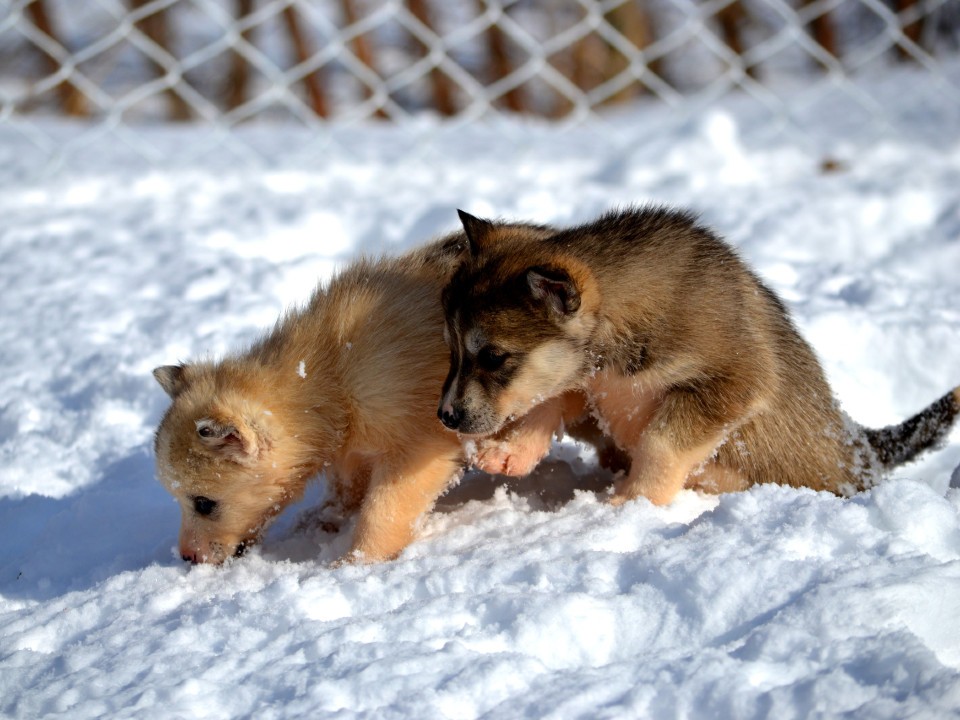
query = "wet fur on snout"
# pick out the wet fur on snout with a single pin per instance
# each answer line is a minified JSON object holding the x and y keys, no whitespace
{"x":691,"y":364}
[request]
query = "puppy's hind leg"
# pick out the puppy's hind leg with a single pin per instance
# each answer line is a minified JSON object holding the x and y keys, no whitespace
{"x":684,"y":432}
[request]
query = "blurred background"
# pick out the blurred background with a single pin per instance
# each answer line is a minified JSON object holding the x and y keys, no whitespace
{"x":112,"y":67}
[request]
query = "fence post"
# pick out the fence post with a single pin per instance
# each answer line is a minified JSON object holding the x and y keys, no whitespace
{"x":633,"y":22}
{"x":303,"y":52}
{"x":442,"y":88}
{"x":821,"y":28}
{"x":238,"y":78}
{"x":155,"y":27}
{"x":731,"y":18}
{"x":500,"y":64}
{"x":912,"y":30}
{"x":72,"y":101}
{"x":361,"y":48}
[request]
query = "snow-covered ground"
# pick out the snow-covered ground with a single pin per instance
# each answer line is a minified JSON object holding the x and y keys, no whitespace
{"x":527,"y":599}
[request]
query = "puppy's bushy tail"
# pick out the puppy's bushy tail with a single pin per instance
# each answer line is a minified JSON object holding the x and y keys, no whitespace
{"x":898,"y":444}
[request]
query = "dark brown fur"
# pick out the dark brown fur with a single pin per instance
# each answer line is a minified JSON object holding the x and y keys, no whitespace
{"x":692,"y":364}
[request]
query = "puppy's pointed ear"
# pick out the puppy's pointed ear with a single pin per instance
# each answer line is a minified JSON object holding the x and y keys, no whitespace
{"x":239,"y":444}
{"x":477,"y":230}
{"x":556,"y":288}
{"x":172,"y":378}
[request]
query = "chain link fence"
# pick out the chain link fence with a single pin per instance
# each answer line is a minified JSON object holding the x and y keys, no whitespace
{"x":119,"y":66}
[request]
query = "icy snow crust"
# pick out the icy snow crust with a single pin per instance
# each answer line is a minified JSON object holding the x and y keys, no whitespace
{"x":523,"y":599}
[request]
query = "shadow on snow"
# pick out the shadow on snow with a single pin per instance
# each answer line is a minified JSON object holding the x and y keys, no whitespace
{"x":127,"y":521}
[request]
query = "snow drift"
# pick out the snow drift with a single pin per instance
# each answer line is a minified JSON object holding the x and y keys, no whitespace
{"x":526,"y":598}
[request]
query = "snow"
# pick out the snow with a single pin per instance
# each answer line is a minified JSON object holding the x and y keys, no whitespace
{"x":527,"y":598}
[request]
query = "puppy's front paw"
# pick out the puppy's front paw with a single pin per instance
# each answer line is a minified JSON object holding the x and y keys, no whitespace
{"x":620,"y":494}
{"x":498,"y":457}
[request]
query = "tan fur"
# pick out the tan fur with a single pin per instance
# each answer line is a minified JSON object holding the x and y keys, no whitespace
{"x":691,"y":364}
{"x":517,"y":449}
{"x":346,"y":385}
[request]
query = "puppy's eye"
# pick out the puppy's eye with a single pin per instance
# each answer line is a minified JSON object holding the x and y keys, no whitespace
{"x":203,"y":505}
{"x":491,"y":359}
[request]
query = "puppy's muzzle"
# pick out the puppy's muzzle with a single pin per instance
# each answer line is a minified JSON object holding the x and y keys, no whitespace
{"x":194,"y":557}
{"x":450,"y":416}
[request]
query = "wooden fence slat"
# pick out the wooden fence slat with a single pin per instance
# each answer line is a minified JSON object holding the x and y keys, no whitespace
{"x":822,"y":31}
{"x":633,"y":22}
{"x":731,"y":19}
{"x":441,"y":84}
{"x":238,"y":78}
{"x":500,"y":64}
{"x":361,"y":47}
{"x":72,"y":101}
{"x":303,"y":52}
{"x":157,"y":30}
{"x":913,"y":30}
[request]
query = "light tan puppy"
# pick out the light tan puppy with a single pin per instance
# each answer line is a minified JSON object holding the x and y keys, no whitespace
{"x":692,"y":365}
{"x":347,"y":386}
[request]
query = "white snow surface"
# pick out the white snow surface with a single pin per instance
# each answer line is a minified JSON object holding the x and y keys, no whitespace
{"x":526,"y":599}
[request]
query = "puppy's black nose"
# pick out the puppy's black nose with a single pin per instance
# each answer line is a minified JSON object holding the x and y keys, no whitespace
{"x":450,"y":417}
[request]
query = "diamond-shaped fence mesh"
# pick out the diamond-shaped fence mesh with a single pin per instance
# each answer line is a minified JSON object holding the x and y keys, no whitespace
{"x":116,"y":66}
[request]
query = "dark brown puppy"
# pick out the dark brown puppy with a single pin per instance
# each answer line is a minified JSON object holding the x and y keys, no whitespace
{"x":692,"y":365}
